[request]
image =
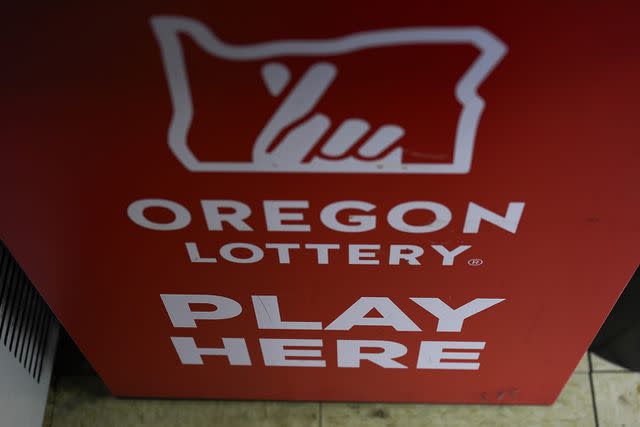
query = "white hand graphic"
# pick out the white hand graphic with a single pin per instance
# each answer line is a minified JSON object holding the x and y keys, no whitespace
{"x":345,"y":145}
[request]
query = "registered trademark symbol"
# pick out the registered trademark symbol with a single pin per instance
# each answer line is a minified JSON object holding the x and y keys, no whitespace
{"x":475,"y":262}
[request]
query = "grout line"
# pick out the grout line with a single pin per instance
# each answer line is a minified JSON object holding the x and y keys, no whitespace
{"x":617,"y":371}
{"x":593,"y":390}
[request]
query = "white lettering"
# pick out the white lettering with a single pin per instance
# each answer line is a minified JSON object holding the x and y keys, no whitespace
{"x":322,"y":249}
{"x":181,"y":215}
{"x":275,"y":354}
{"x":432,"y":352}
{"x":509,"y":222}
{"x":235,"y":218}
{"x":441,"y":220}
{"x":283,"y":250}
{"x":355,"y":315}
{"x":275,"y":217}
{"x":194,"y":254}
{"x":447,"y":255}
{"x":180,"y":313}
{"x":350,"y":353}
{"x":399,"y":252}
{"x":450,"y":320}
{"x":268,"y":315}
{"x":256,"y":253}
{"x":359,"y":255}
{"x":358,"y":223}
{"x":190,"y":354}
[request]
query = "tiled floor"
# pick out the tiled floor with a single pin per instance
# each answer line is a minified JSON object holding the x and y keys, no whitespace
{"x":598,"y":394}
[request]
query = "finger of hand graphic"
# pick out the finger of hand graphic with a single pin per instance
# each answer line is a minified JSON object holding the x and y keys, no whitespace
{"x":299,"y":141}
{"x":381,"y":140}
{"x":298,"y":103}
{"x":346,"y":136}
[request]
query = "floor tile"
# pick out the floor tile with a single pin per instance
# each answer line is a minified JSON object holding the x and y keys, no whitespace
{"x":600,"y":364}
{"x":583,"y":365}
{"x":617,"y":398}
{"x":48,"y":410}
{"x":83,"y":401}
{"x":573,"y":408}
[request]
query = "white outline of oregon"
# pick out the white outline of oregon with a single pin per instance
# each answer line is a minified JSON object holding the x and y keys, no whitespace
{"x":168,"y":28}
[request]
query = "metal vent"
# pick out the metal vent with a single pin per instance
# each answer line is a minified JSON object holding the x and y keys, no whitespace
{"x":25,"y":319}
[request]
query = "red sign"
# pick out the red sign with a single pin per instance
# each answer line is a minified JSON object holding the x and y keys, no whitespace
{"x":340,"y":202}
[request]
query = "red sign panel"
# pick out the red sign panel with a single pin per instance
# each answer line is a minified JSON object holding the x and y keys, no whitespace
{"x":343,"y":202}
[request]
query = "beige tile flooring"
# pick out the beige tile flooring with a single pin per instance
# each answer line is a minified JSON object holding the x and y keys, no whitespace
{"x":83,"y":401}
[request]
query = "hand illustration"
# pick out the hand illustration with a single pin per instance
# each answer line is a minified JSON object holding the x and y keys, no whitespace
{"x":300,"y":144}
